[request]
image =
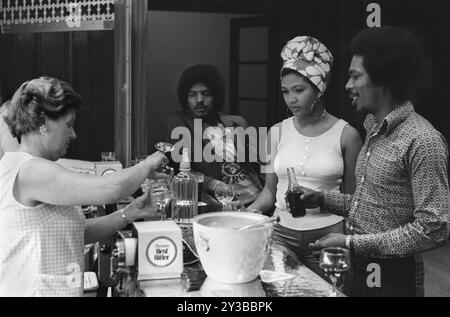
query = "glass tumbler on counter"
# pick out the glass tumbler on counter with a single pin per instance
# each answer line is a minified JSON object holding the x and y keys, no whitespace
{"x":147,"y":185}
{"x":161,"y":195}
{"x":108,"y":156}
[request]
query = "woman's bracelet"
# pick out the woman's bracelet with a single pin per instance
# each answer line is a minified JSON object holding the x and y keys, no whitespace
{"x":124,"y":217}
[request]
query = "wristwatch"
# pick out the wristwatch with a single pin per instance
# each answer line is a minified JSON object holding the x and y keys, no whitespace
{"x":348,"y":240}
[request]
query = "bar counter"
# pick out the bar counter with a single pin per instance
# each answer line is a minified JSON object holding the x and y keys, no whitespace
{"x":299,"y":282}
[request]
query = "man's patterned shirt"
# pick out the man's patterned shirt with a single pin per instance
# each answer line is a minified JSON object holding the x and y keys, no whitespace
{"x":401,"y":204}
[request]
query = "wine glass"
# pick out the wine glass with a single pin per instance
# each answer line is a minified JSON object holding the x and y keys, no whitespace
{"x":164,"y":147}
{"x":334,"y":261}
{"x":161,"y":195}
{"x":224,"y":193}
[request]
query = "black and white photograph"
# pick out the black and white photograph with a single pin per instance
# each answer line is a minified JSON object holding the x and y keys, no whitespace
{"x":239,"y":152}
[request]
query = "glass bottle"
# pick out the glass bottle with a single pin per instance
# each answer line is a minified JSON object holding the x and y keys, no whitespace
{"x":293,"y":202}
{"x":185,"y":192}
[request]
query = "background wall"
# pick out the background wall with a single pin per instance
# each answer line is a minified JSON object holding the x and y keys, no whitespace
{"x":173,"y":40}
{"x":84,"y":59}
{"x":177,"y":41}
{"x":336,"y":22}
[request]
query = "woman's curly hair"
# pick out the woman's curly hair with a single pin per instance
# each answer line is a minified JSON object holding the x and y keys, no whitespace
{"x":38,"y":97}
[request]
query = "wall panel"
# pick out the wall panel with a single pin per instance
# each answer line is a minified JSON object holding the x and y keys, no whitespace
{"x":86,"y":60}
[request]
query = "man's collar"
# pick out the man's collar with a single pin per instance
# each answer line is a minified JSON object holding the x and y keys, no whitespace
{"x":391,"y":121}
{"x":212,"y":120}
{"x":227,"y":122}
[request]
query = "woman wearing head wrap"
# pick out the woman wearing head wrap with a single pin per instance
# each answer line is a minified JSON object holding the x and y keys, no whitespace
{"x":42,"y":234}
{"x":321,"y":148}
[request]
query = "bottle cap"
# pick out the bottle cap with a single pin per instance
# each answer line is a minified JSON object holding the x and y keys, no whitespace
{"x":185,"y":164}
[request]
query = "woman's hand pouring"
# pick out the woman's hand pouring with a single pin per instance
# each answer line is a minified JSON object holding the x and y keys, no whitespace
{"x":142,"y":208}
{"x":154,"y":161}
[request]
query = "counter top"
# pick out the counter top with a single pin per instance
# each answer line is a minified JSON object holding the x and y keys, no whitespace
{"x":296,"y":280}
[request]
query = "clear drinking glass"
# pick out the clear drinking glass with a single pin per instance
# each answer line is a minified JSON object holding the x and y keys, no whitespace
{"x":224,"y":193}
{"x":334,"y":261}
{"x":161,"y":195}
{"x":146,"y":186}
{"x":108,"y":156}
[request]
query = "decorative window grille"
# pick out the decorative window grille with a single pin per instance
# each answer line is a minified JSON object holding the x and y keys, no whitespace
{"x":17,"y":16}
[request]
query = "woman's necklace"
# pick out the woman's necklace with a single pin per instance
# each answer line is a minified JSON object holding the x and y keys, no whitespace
{"x":307,"y":149}
{"x":304,"y":157}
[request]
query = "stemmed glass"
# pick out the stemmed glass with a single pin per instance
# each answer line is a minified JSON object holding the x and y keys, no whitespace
{"x":334,"y":261}
{"x":164,"y":147}
{"x":160,"y":191}
{"x":224,"y":193}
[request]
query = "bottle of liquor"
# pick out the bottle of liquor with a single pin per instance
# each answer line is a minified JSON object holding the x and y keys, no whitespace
{"x":185,"y":192}
{"x":293,"y":193}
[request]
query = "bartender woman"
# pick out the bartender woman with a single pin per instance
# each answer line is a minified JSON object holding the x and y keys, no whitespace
{"x":42,"y":234}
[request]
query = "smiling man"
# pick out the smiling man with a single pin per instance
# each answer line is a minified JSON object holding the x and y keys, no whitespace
{"x":401,"y":204}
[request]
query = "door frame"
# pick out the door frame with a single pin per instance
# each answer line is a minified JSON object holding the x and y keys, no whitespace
{"x":272,"y":113}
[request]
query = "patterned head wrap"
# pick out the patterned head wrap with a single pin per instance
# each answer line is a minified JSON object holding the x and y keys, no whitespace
{"x":310,"y":58}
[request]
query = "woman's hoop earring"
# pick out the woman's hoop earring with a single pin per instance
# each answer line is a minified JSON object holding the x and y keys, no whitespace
{"x":312,"y":110}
